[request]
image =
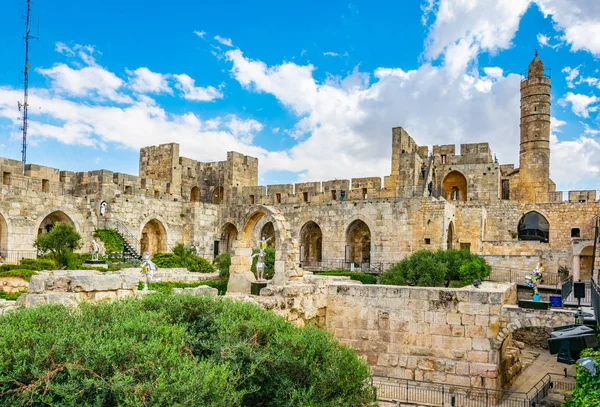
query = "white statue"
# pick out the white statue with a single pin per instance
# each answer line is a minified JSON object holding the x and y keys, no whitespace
{"x":103,"y":206}
{"x":260,"y":264}
{"x":94,"y":248}
{"x":148,"y":269}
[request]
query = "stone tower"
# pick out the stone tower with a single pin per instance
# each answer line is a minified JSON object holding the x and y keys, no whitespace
{"x":534,"y":159}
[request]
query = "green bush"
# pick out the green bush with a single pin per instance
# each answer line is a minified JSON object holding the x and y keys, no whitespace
{"x":269,"y":263}
{"x":362,"y":277}
{"x":166,"y":260}
{"x":222,"y":263}
{"x":443,"y":268}
{"x":11,"y":296}
{"x":173,"y":351}
{"x":75,"y":260}
{"x":112,"y":242}
{"x":197,"y":264}
{"x":182,"y":257}
{"x":60,"y":242}
{"x":587,"y":388}
{"x":38,"y":264}
{"x":25,"y":274}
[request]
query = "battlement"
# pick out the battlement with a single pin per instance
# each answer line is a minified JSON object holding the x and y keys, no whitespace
{"x":573,"y":196}
{"x":471,"y":153}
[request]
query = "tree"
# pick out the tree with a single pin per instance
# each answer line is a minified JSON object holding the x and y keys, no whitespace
{"x":61,"y":241}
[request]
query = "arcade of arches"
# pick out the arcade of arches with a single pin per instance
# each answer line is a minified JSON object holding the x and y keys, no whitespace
{"x":311,"y":243}
{"x":358,"y":242}
{"x":455,"y":186}
{"x":154,"y":237}
{"x":49,"y":221}
{"x":229,"y":234}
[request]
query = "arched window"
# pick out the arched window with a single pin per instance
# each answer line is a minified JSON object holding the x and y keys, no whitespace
{"x":195,"y":195}
{"x":311,"y":243}
{"x":534,"y":226}
{"x":455,"y":186}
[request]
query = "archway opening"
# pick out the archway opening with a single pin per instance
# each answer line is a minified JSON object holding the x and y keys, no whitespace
{"x":311,"y":244}
{"x":48,"y":222}
{"x":454,"y":186}
{"x":358,"y":242}
{"x":450,"y":239}
{"x":3,"y":237}
{"x":195,"y":194}
{"x":229,"y":234}
{"x":534,"y":226}
{"x":268,"y":232}
{"x":586,"y":260}
{"x":217,"y":195}
{"x":154,"y":237}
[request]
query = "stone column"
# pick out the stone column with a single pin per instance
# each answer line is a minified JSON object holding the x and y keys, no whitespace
{"x":576,"y":271}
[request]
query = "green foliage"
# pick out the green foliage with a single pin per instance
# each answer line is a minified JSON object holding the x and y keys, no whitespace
{"x":112,"y":242}
{"x":443,"y":268}
{"x":269,"y":263}
{"x":61,"y":241}
{"x":362,"y":277}
{"x":25,"y":274}
{"x":182,"y":257}
{"x":38,"y":264}
{"x":173,"y":351}
{"x":11,"y":296}
{"x":587,"y":388}
{"x":75,"y":260}
{"x":166,"y":287}
{"x":222,"y":263}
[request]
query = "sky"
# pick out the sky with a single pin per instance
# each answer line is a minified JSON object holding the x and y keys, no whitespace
{"x":311,"y":88}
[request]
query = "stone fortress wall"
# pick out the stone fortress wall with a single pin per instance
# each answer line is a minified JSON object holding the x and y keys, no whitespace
{"x":475,"y":203}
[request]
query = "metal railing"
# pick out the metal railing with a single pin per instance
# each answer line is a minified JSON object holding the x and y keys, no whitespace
{"x":595,"y":299}
{"x":566,"y":289}
{"x":15,"y":256}
{"x":511,"y":275}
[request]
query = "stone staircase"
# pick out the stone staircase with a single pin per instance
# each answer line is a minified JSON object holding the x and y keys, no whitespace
{"x":130,"y":242}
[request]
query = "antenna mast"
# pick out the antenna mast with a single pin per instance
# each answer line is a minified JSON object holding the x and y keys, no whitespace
{"x":25,"y":105}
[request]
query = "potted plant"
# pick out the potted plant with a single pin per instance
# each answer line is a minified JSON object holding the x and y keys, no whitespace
{"x":563,"y":272}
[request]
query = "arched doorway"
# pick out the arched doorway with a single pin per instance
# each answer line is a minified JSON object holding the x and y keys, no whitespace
{"x":534,"y":226}
{"x":454,"y":186}
{"x":217,"y":195}
{"x":268,"y":232}
{"x":358,"y":243}
{"x":48,"y":222}
{"x":311,"y":244}
{"x":195,"y":194}
{"x":154,"y":237}
{"x":3,"y":237}
{"x":586,"y":260}
{"x":229,"y":234}
{"x":450,"y":238}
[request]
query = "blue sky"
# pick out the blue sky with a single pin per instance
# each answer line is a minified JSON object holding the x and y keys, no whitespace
{"x":311,"y":88}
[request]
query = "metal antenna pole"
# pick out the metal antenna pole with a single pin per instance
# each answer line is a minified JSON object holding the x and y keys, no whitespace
{"x":27,"y":37}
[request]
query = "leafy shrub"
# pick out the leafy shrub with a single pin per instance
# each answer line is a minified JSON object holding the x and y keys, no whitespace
{"x":11,"y":296}
{"x":269,"y":263}
{"x":25,"y":274}
{"x":222,"y":263}
{"x":112,"y":242}
{"x":75,"y":260}
{"x":173,"y":350}
{"x":38,"y":264}
{"x":197,"y":264}
{"x":587,"y":388}
{"x":443,"y":268}
{"x":183,"y":259}
{"x":60,"y":242}
{"x":166,"y":260}
{"x":362,"y":277}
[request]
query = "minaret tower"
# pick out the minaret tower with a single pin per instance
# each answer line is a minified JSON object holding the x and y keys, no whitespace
{"x":534,"y":159}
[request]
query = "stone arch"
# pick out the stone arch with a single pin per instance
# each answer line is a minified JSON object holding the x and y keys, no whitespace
{"x":534,"y":226}
{"x":286,"y":258}
{"x":311,"y":243}
{"x":358,"y":242}
{"x":51,"y":218}
{"x":195,"y":194}
{"x":450,"y":236}
{"x":586,"y":260}
{"x":153,"y":236}
{"x":268,"y":232}
{"x":454,"y":186}
{"x":229,"y":234}
{"x":3,"y":236}
{"x":217,"y":195}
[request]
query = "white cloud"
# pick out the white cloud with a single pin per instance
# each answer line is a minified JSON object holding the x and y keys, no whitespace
{"x":572,"y":74}
{"x":143,"y":80}
{"x":200,"y":34}
{"x":331,"y":54}
{"x":186,"y":85}
{"x":544,"y":41}
{"x":275,"y":130}
{"x":225,"y":41}
{"x":589,"y":131}
{"x":493,"y":72}
{"x":580,"y":104}
{"x":575,"y":162}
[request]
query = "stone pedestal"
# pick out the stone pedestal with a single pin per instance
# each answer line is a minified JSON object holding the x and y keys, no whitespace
{"x":256,"y":286}
{"x":239,"y":283}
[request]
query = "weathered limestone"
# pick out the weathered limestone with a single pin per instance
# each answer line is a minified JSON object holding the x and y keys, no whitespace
{"x":200,"y":290}
{"x":13,"y":284}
